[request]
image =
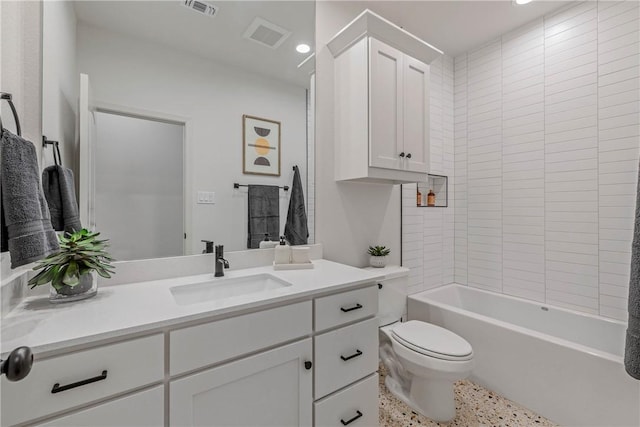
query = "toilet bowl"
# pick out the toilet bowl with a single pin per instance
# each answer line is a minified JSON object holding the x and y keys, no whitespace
{"x":423,"y":361}
{"x":432,"y":359}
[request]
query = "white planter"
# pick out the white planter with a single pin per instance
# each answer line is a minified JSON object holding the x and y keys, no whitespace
{"x":378,"y":261}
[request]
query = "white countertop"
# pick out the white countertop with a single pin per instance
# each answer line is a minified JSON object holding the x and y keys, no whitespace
{"x":118,"y":311}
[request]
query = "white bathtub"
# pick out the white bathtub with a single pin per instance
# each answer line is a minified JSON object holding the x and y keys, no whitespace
{"x":565,"y":365}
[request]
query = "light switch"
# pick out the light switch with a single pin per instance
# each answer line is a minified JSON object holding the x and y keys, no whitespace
{"x":206,"y":197}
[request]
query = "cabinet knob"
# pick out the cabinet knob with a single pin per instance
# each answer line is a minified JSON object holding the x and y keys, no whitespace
{"x":401,"y":154}
{"x":408,"y":155}
{"x":18,"y":365}
{"x":308,"y":364}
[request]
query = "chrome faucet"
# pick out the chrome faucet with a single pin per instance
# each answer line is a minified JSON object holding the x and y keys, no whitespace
{"x":221,"y":263}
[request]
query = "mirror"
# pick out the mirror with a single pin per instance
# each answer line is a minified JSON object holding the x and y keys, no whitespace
{"x":167,"y":87}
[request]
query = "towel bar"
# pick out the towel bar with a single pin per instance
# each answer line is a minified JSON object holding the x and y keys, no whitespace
{"x":236,"y":185}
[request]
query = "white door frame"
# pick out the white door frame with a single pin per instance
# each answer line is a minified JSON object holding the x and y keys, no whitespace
{"x":139,"y":113}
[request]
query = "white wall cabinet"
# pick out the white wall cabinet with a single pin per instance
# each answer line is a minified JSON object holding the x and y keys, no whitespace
{"x":269,"y":389}
{"x":382,"y":102}
{"x":398,"y":105}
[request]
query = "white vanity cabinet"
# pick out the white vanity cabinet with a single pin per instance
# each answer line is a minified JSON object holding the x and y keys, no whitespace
{"x":346,"y":359}
{"x":62,"y":383}
{"x":137,"y":410}
{"x":268,"y":388}
{"x":301,"y":363}
{"x":381,"y":94}
{"x":272,"y":388}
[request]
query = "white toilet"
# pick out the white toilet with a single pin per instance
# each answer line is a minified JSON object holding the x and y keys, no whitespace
{"x":422,"y":360}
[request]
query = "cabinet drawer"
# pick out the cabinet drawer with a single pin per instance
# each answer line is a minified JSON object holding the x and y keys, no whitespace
{"x":345,"y":355}
{"x":137,"y":410}
{"x":354,"y":406}
{"x":202,"y":345}
{"x":339,"y":309}
{"x":114,"y":368}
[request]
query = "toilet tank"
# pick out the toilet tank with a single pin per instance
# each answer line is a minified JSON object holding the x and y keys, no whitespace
{"x":392,"y":294}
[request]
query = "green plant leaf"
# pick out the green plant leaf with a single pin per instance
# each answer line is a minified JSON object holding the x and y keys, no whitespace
{"x":71,"y":277}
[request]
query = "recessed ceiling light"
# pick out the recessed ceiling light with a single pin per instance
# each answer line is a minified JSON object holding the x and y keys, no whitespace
{"x":522,"y":1}
{"x":303,"y":48}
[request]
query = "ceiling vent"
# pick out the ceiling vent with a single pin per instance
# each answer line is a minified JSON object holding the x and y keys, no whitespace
{"x":201,"y":7}
{"x":266,"y":33}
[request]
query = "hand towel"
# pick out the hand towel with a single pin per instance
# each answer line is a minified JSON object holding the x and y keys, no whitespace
{"x":264,"y":214}
{"x":26,"y":225}
{"x":59,"y":190}
{"x":295,"y":230}
{"x":632,"y":346}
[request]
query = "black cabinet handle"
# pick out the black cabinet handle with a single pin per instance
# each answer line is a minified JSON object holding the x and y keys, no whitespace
{"x":401,"y":154}
{"x":344,"y":423}
{"x":356,"y":354}
{"x":355,"y":307}
{"x":409,"y":156}
{"x":307,"y":365}
{"x":57,"y":388}
{"x":18,"y":365}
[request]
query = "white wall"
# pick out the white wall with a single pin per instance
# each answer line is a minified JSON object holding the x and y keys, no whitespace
{"x":349,"y":216}
{"x":212,"y":98}
{"x":60,"y":81}
{"x":428,"y":233}
{"x":547,"y":143}
{"x":20,"y":75}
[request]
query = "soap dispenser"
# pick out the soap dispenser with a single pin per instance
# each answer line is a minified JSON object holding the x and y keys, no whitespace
{"x":267,"y":243}
{"x":282,"y":252}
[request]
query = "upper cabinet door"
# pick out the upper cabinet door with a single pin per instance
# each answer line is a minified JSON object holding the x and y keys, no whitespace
{"x":416,"y":114}
{"x":385,"y":105}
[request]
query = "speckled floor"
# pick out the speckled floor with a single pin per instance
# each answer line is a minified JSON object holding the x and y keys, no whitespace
{"x":475,"y":407}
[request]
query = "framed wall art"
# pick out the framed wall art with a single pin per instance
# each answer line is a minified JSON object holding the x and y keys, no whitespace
{"x":260,"y":146}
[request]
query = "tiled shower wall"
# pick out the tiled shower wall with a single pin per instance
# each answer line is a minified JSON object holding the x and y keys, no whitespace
{"x":427,"y":233}
{"x":546,"y":161}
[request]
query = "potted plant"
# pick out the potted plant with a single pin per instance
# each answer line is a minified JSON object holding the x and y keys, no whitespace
{"x":378,"y":257}
{"x":73,"y":271}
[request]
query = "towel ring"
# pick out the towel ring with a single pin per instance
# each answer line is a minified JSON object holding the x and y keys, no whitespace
{"x":9,"y":98}
{"x":56,"y":149}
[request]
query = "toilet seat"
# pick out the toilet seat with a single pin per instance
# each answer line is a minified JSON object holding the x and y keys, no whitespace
{"x":432,"y":340}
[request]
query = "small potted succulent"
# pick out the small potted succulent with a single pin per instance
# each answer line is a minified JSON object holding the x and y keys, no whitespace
{"x":378,"y":257}
{"x":73,"y":271}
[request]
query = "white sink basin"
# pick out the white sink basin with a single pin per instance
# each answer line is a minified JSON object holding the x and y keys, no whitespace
{"x":226,"y":288}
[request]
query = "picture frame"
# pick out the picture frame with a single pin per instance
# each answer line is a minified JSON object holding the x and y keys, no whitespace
{"x":260,"y":146}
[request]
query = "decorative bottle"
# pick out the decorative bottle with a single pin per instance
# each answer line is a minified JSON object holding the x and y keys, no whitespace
{"x":431,"y":198}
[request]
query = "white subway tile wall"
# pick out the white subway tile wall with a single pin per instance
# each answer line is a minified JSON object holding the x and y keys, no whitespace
{"x":547,"y":141}
{"x":428,"y":233}
{"x":618,"y":148}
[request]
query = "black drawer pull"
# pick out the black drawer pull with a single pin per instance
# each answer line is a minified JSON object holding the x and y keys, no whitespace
{"x":355,"y":307}
{"x":57,"y":388}
{"x":356,"y":354}
{"x":344,"y":423}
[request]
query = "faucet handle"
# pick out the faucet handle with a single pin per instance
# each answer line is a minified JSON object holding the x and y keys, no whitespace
{"x":208,"y":246}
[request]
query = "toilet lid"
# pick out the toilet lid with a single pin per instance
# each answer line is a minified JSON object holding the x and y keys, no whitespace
{"x":432,"y":340}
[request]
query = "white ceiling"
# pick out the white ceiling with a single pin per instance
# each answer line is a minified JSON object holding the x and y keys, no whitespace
{"x":455,"y":26}
{"x":219,"y":37}
{"x":452,"y":26}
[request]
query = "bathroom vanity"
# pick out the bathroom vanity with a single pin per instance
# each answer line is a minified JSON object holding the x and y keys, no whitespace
{"x":171,"y":352}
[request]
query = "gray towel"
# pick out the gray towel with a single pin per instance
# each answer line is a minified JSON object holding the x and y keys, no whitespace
{"x":264,"y":214}
{"x":632,"y":347}
{"x":59,"y":190}
{"x":296,"y":230}
{"x":26,"y":226}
